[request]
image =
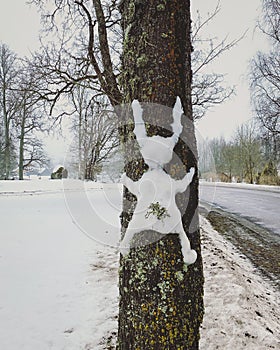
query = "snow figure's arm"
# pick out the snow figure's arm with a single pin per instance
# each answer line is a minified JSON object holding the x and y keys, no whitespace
{"x":176,"y":125}
{"x":132,"y":186}
{"x":139,"y":128}
{"x":181,"y":185}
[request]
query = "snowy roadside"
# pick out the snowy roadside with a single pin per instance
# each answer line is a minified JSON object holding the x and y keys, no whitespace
{"x":267,"y":188}
{"x":242,"y":311}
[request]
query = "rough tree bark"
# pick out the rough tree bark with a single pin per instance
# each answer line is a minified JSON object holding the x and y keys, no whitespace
{"x":161,"y":303}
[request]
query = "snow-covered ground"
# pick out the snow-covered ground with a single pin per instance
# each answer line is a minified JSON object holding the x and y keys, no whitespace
{"x":58,"y":286}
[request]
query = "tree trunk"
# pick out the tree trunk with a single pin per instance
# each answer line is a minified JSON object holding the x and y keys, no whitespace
{"x":21,"y":159}
{"x":161,"y":302}
{"x":7,"y":152}
{"x":21,"y":147}
{"x":7,"y":145}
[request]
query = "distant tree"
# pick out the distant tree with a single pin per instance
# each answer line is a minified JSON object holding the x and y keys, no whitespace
{"x":269,"y":175}
{"x":96,"y":132}
{"x":230,"y":160}
{"x":34,"y":154}
{"x":224,"y":157}
{"x":242,"y":157}
{"x":8,"y":104}
{"x":249,"y":151}
{"x":29,"y":119}
{"x":265,"y":74}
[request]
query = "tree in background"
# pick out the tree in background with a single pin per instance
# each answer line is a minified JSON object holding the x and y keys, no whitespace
{"x":82,"y":53}
{"x":249,"y":151}
{"x":20,"y":116}
{"x":265,"y":79}
{"x":223,"y":156}
{"x":29,"y":120}
{"x":8,"y":106}
{"x":96,"y":130}
{"x":269,"y":175}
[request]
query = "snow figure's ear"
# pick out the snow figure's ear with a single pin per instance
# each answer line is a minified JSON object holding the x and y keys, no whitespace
{"x":139,"y":128}
{"x":176,"y":125}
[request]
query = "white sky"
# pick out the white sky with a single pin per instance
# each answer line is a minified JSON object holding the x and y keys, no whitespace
{"x":19,"y":27}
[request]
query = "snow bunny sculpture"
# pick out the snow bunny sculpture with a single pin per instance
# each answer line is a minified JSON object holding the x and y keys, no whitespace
{"x":156,"y":208}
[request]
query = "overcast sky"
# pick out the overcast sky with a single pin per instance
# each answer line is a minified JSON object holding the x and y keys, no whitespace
{"x":20,"y":23}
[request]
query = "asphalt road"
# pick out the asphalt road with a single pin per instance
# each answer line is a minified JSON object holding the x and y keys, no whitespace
{"x":259,"y":206}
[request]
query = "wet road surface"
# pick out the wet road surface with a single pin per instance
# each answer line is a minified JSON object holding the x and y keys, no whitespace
{"x":259,"y":206}
{"x":250,"y":220}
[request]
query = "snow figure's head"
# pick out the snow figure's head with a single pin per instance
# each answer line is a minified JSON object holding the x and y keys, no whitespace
{"x":156,"y":150}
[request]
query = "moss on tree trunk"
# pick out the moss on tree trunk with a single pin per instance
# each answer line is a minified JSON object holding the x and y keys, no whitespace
{"x":161,"y":302}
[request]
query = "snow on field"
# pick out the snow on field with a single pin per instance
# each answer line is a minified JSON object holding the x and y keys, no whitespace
{"x":59,"y":286}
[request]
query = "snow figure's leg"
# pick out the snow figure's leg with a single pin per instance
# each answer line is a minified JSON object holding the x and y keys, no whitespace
{"x":129,"y":184}
{"x":189,"y":255}
{"x":125,"y":243}
{"x":176,"y":125}
{"x":139,"y":128}
{"x":181,"y":185}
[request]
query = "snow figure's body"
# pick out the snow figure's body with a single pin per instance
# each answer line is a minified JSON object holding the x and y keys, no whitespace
{"x":156,"y":190}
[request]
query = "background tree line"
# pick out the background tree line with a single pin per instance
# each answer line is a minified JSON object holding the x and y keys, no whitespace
{"x":246,"y":157}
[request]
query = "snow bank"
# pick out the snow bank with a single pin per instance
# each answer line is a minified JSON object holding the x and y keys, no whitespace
{"x":241,"y":309}
{"x":241,"y":185}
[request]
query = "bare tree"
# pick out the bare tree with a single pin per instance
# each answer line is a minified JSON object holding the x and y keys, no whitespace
{"x":96,"y":132}
{"x":90,"y":50}
{"x":33,"y":154}
{"x":8,"y":102}
{"x":265,"y":72}
{"x":28,"y":120}
{"x":208,"y":89}
{"x":83,"y":53}
{"x":242,"y":157}
{"x":249,"y":147}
